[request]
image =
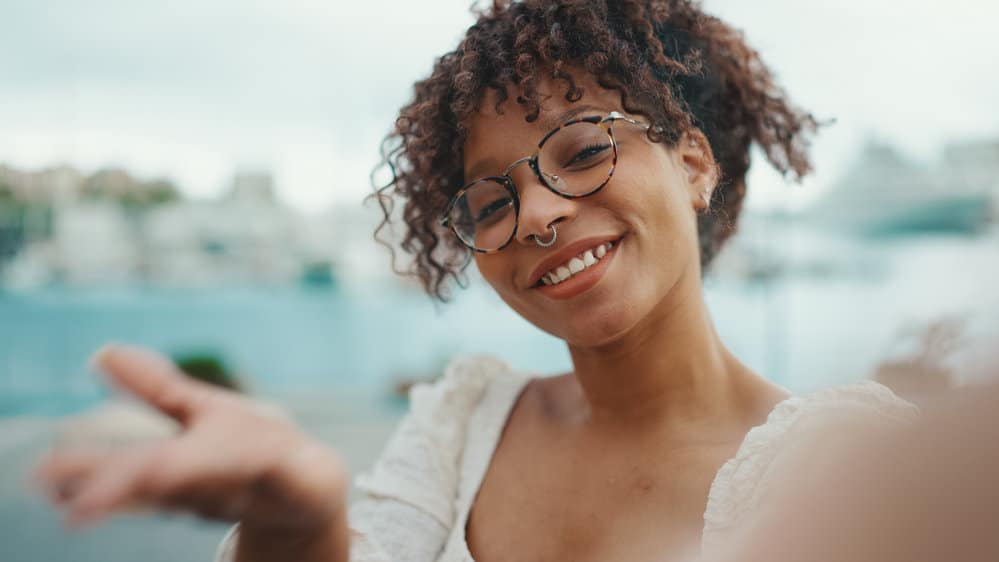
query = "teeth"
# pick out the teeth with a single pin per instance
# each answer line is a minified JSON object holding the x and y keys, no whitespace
{"x":576,"y":264}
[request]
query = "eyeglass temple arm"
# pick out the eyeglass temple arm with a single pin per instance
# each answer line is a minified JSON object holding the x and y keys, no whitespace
{"x":614,"y":116}
{"x":445,"y":220}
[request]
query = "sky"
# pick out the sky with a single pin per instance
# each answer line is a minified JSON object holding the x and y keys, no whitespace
{"x":196,"y":90}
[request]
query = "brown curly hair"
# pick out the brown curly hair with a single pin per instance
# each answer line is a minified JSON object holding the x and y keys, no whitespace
{"x":671,"y":63}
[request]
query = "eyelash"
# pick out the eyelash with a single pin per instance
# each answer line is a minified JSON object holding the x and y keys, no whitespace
{"x":588,"y":149}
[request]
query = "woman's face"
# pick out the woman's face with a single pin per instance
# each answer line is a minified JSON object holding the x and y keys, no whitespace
{"x":646,"y":212}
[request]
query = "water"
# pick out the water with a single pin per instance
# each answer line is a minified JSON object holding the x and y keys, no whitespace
{"x":278,"y":340}
{"x":791,"y":329}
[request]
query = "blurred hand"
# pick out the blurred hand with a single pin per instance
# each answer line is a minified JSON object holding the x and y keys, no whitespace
{"x":232,"y":460}
{"x":920,"y":493}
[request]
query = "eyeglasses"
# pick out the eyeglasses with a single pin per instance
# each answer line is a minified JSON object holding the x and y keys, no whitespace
{"x":574,"y":160}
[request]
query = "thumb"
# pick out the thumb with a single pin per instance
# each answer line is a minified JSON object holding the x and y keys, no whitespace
{"x":151,"y":377}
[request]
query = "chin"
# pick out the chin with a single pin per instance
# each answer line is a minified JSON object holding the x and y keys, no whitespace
{"x":596,"y":329}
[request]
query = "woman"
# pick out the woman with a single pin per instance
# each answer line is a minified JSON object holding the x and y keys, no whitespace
{"x":590,"y":158}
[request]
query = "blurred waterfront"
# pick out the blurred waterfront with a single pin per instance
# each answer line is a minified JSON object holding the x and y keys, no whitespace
{"x":305,"y":304}
{"x":825,"y":293}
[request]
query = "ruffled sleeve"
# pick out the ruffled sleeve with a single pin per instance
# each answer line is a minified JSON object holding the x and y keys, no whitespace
{"x":769,"y":453}
{"x":407,"y":506}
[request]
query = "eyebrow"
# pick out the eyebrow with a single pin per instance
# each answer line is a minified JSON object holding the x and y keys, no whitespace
{"x":567,"y":116}
{"x":550,"y":123}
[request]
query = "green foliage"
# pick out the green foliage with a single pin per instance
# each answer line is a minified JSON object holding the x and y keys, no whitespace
{"x":118,"y":186}
{"x":210,"y":368}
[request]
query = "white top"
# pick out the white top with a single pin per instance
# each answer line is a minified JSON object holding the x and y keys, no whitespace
{"x":419,"y":493}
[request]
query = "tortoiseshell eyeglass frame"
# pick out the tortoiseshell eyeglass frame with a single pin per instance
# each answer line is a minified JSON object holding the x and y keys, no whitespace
{"x":606,"y":122}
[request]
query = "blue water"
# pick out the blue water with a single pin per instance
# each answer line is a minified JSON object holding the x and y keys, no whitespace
{"x":275,"y":339}
{"x":792,"y":329}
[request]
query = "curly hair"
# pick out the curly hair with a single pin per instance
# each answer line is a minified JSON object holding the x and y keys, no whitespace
{"x":671,"y":63}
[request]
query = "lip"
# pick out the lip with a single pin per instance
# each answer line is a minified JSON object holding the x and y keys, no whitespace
{"x":565,"y":254}
{"x":582,"y":281}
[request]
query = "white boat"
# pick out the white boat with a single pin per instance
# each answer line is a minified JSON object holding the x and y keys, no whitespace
{"x":885,"y":194}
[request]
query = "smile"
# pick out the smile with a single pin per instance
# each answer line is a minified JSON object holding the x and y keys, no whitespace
{"x":577,"y":264}
{"x":580,"y":267}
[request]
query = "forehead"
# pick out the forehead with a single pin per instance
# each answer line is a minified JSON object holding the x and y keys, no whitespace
{"x":494,"y":140}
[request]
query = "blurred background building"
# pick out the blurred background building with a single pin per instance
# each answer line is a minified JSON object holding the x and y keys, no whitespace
{"x":62,"y":228}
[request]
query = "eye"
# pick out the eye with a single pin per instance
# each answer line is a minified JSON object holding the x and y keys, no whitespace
{"x":591,"y":153}
{"x":493,"y":211}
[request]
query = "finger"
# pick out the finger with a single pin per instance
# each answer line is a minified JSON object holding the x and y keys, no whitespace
{"x":151,"y":377}
{"x":61,"y":472}
{"x":113,"y":486}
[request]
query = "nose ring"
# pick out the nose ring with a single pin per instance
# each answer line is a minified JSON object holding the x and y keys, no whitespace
{"x":548,"y":243}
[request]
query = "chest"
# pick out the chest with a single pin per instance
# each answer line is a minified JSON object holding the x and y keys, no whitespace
{"x":546,"y":498}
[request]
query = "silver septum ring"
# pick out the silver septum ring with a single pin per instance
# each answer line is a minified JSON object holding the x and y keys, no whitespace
{"x":550,"y":242}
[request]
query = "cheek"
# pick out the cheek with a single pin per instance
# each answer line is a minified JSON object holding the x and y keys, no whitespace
{"x":493,"y":270}
{"x":482,"y":263}
{"x":671,"y":192}
{"x":656,"y":201}
{"x":648,"y":181}
{"x":665,"y":246}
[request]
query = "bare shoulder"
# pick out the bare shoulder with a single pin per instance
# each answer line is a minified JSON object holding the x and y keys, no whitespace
{"x":541,"y":401}
{"x":554,"y":399}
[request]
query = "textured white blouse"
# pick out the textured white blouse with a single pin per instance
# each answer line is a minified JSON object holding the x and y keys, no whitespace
{"x":418,"y":495}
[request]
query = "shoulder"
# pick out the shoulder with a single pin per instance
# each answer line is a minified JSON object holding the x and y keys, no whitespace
{"x":772,"y":450}
{"x":865,"y":402}
{"x":420,"y":463}
{"x":458,"y":390}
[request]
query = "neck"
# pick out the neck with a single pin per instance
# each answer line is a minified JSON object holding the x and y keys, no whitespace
{"x":672,"y":368}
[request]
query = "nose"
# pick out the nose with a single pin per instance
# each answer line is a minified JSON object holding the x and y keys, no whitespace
{"x":539,"y":207}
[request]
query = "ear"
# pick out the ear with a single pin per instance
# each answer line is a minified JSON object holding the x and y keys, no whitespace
{"x":699,"y":167}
